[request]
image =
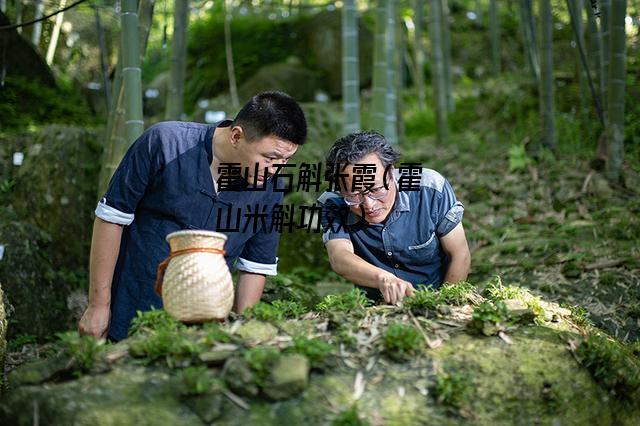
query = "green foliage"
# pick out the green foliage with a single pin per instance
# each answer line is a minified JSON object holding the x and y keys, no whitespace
{"x":296,"y":286}
{"x":489,"y":317}
{"x":579,"y":315}
{"x":85,"y":350}
{"x":423,"y":299}
{"x":261,"y":359}
{"x":199,"y":380}
{"x":349,"y":417}
{"x":401,"y":341}
{"x":214,"y":334}
{"x":16,"y":344}
{"x":155,"y":320}
{"x":451,"y":389}
{"x":498,"y":292}
{"x":352,"y":302}
{"x":612,"y":365}
{"x":26,"y":103}
{"x":276,"y":311}
{"x":458,"y":293}
{"x":168,"y":346}
{"x":315,"y":350}
{"x":518,"y":158}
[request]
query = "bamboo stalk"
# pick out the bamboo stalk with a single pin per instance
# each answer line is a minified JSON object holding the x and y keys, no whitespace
{"x":175,"y":95}
{"x":390,"y":115}
{"x":350,"y":72}
{"x":418,"y":22}
{"x":228,"y":48}
{"x":494,"y":32}
{"x":615,"y":104}
{"x":446,"y":55}
{"x":437,"y":71}
{"x":53,"y":43}
{"x":547,"y":89}
{"x":378,"y":106}
{"x":36,"y":32}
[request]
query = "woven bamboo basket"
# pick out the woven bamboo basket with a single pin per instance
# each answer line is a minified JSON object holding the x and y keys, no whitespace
{"x":197,"y":284}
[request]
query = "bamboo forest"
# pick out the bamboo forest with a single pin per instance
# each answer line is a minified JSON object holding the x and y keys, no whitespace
{"x":319,"y":212}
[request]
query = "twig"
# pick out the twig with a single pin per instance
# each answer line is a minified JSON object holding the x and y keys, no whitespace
{"x":236,"y":399}
{"x":587,"y":180}
{"x":604,"y":264}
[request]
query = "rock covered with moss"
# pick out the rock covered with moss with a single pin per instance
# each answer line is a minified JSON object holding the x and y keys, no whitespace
{"x":447,"y":357}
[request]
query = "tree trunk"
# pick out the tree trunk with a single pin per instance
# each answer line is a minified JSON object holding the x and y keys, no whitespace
{"x":437,"y":71}
{"x":615,"y":104}
{"x":115,"y":142}
{"x":53,"y":43}
{"x":446,"y":55}
{"x":3,"y":6}
{"x":350,"y":72}
{"x":605,"y":35}
{"x":36,"y":31}
{"x":103,"y":58}
{"x":547,"y":89}
{"x":529,"y":36}
{"x":594,"y":45}
{"x":390,"y":115}
{"x":378,"y":102}
{"x":228,"y":49}
{"x":494,"y":30}
{"x":418,"y":22}
{"x":19,"y":15}
{"x":175,"y":95}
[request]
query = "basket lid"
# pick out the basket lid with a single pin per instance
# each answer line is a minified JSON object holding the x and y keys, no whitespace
{"x":196,"y":233}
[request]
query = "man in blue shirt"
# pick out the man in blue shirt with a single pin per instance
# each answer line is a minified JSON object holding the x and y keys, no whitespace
{"x":189,"y":176}
{"x":386,"y":238}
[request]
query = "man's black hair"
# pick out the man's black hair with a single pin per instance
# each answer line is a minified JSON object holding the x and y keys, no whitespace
{"x":272,"y":114}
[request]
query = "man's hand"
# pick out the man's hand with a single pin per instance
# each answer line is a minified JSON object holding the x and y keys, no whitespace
{"x":95,"y":321}
{"x":394,"y":289}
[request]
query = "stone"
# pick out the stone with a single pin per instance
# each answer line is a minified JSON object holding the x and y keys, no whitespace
{"x":289,"y":377}
{"x":255,"y":332}
{"x":208,"y":407}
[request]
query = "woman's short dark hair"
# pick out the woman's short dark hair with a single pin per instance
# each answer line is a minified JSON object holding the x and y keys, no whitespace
{"x":352,"y":148}
{"x":272,"y":114}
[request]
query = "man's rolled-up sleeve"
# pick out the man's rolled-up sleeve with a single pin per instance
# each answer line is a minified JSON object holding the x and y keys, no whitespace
{"x":129,"y":182}
{"x":450,"y":211}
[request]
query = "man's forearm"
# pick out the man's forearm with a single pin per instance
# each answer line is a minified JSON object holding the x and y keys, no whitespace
{"x":105,"y":247}
{"x":458,"y":269}
{"x":355,"y":269}
{"x":248,"y":290}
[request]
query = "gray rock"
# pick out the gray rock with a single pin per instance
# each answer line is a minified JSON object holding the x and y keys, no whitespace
{"x":289,"y":377}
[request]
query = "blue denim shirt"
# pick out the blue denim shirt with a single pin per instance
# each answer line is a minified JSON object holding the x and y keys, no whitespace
{"x":408,"y":243}
{"x":164,"y":184}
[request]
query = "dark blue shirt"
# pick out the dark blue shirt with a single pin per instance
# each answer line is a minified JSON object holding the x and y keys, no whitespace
{"x":164,"y":184}
{"x":407,"y":244}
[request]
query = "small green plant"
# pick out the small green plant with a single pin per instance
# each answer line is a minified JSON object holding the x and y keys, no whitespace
{"x":315,"y":350}
{"x":154,"y":320}
{"x":85,"y":350}
{"x":458,"y":293}
{"x":401,"y":340}
{"x":168,"y":346}
{"x":451,"y":389}
{"x":16,"y":344}
{"x":213,"y":333}
{"x":353,"y":301}
{"x":199,"y":380}
{"x":518,"y":158}
{"x":261,"y":359}
{"x":488,"y":318}
{"x":612,"y":365}
{"x":423,"y":299}
{"x":497,"y":291}
{"x":579,"y":315}
{"x":349,"y":417}
{"x":276,"y":311}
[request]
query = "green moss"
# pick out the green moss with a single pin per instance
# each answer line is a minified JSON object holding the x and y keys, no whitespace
{"x":613,"y":366}
{"x":171,"y":348}
{"x":315,"y":350}
{"x":275,"y":311}
{"x":213,"y":334}
{"x":199,"y":380}
{"x":499,"y":292}
{"x":349,"y":417}
{"x":261,"y":359}
{"x":402,"y":341}
{"x":451,"y":389}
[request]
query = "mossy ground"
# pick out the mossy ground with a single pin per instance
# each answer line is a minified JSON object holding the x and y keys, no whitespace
{"x":398,"y":368}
